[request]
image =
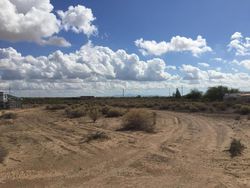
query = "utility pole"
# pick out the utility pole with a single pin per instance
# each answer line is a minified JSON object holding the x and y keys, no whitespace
{"x":123,"y":92}
{"x":182,"y":91}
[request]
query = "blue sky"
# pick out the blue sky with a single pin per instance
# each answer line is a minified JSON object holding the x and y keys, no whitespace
{"x":168,"y":55}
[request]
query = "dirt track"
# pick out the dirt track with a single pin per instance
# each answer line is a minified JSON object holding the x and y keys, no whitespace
{"x":44,"y":149}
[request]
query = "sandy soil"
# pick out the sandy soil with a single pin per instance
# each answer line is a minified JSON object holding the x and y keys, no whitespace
{"x":45,"y":149}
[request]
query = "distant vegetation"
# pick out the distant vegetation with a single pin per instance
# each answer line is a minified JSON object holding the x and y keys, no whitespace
{"x":194,"y":95}
{"x":177,"y":94}
{"x":217,"y":93}
{"x":210,"y":101}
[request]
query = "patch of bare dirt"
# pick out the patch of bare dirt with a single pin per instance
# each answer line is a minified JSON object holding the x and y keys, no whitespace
{"x":45,"y":149}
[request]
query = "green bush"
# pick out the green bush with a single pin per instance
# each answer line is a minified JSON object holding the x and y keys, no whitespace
{"x":218,"y":93}
{"x":194,"y":95}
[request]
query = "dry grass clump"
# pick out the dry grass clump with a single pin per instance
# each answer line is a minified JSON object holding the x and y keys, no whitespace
{"x":75,"y":112}
{"x":115,"y":112}
{"x":139,"y":120}
{"x":236,"y":148}
{"x":8,"y":115}
{"x":220,"y":106}
{"x":94,"y":114}
{"x":3,"y":154}
{"x":98,"y":135}
{"x":248,"y":117}
{"x":105,"y":109}
{"x":55,"y":107}
{"x":237,"y":118}
{"x":244,"y":110}
{"x":193,"y":108}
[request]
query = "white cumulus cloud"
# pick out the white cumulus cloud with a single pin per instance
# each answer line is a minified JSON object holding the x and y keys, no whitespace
{"x":28,"y":20}
{"x":194,"y":75}
{"x":239,"y":44}
{"x":78,"y":19}
{"x":204,"y":64}
{"x":177,"y":44}
{"x":34,"y":21}
{"x":90,"y":62}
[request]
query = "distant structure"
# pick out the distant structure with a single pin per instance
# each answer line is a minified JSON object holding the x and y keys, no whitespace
{"x":86,"y":97}
{"x":237,"y":97}
{"x":9,"y":101}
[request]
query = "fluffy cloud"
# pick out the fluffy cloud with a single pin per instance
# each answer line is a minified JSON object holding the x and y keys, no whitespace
{"x":204,"y":65}
{"x":171,"y":67}
{"x":194,"y":75}
{"x":27,"y":20}
{"x":177,"y":44}
{"x":239,"y":44}
{"x":34,"y":21}
{"x":245,"y":63}
{"x":56,"y":41}
{"x":79,"y":19}
{"x":89,"y":62}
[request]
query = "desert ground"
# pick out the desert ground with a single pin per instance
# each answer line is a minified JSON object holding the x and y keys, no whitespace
{"x":42,"y":148}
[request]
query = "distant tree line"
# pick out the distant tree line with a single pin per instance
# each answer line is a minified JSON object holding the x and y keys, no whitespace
{"x":212,"y":94}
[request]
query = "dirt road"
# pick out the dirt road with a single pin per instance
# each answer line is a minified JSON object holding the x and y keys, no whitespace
{"x":45,"y":149}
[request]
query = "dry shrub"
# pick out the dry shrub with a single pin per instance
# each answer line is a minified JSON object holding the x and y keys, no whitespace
{"x":244,"y":110}
{"x":94,"y":114}
{"x":115,"y":112}
{"x":139,"y":120}
{"x":56,"y":107}
{"x":220,"y":106}
{"x":248,"y":117}
{"x":237,"y":118}
{"x":95,"y":136}
{"x":75,"y":112}
{"x":3,"y":154}
{"x":193,"y":108}
{"x":236,"y":148}
{"x":8,"y":115}
{"x":201,"y":106}
{"x":105,"y":110}
{"x":164,"y":107}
